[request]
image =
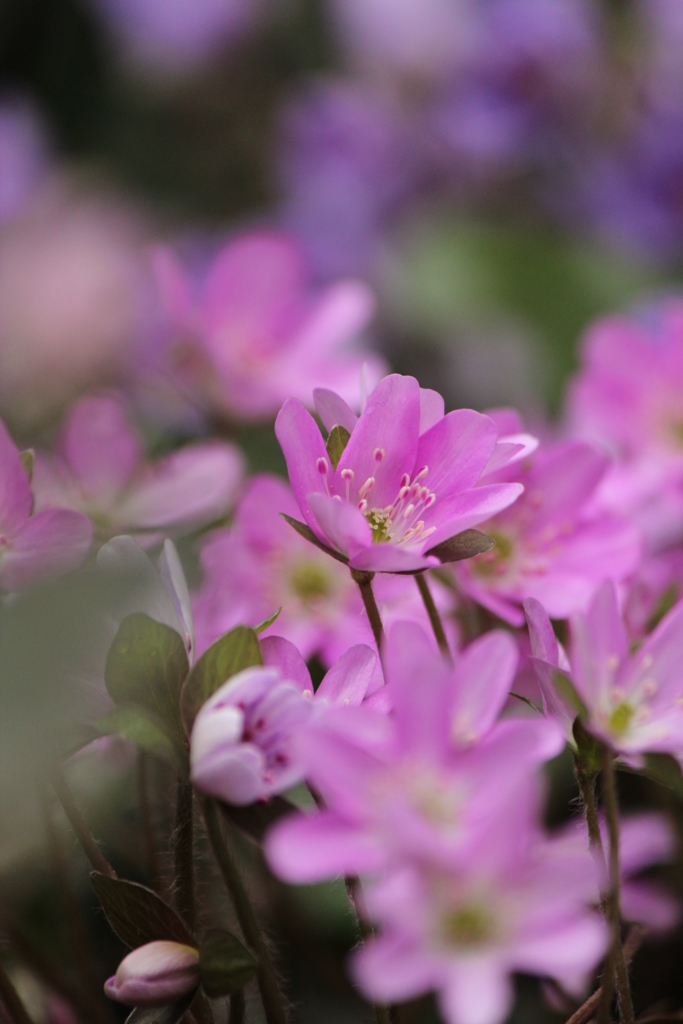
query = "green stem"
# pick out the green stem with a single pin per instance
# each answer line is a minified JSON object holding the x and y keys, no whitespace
{"x":9,"y":998}
{"x":237,"y":1008}
{"x":587,"y":1011}
{"x":587,"y":789}
{"x":364,"y":581}
{"x":609,"y":796}
{"x":267,"y":978}
{"x":183,"y":853}
{"x":434,"y":617}
{"x":78,"y":823}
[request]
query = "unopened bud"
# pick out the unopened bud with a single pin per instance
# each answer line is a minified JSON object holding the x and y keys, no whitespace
{"x":154,"y":975}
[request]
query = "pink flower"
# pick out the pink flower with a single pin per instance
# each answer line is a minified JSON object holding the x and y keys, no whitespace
{"x":633,"y":702}
{"x":243,"y":742}
{"x":627,"y":396}
{"x":552,"y":544}
{"x":518,"y":904}
{"x":406,"y":480}
{"x":33,"y":547}
{"x":100,"y":469}
{"x":257,"y":332}
{"x":259,"y":564}
{"x":425,"y":781}
{"x":155,"y":974}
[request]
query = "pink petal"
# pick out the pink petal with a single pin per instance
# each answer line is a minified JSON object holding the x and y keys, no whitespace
{"x":421,"y":689}
{"x":309,"y":848}
{"x":456,"y":449}
{"x":663,"y":649}
{"x":484,"y":673}
{"x":100,"y":445}
{"x":194,"y":485}
{"x":460,"y":512}
{"x":544,"y":643}
{"x":258,"y":513}
{"x":173,"y":286}
{"x":645,"y":903}
{"x":50,"y":543}
{"x":338,"y":767}
{"x":391,"y":558}
{"x":15,"y":490}
{"x":302,"y":446}
{"x":478,"y":991}
{"x":509,"y":450}
{"x":432,"y":409}
{"x":340,"y":524}
{"x":343,"y":311}
{"x":280,"y":653}
{"x":389,"y":424}
{"x":568,"y":951}
{"x":392,"y":969}
{"x":333,"y":410}
{"x":347,"y":681}
{"x":233,"y":774}
{"x":645,"y":839}
{"x":598,"y":637}
{"x":565,"y":478}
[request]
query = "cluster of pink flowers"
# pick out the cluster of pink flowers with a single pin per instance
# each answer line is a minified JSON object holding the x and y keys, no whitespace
{"x":427,"y":777}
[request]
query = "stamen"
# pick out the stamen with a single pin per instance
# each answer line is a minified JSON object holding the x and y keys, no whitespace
{"x":364,"y":491}
{"x":405,"y":481}
{"x":378,"y":454}
{"x":322,"y":466}
{"x":423,"y":473}
{"x":347,"y":476}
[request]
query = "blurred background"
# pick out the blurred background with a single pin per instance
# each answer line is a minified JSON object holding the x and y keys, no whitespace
{"x":499,"y":172}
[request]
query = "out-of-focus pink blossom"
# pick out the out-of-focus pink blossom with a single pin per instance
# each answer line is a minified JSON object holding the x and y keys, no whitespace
{"x":653,"y":591}
{"x":23,"y":154}
{"x":257,"y":332}
{"x":244,"y":739}
{"x":158,"y":973}
{"x":426,"y":781}
{"x":100,"y":469}
{"x":34,"y":547}
{"x":553,"y":543}
{"x":627,"y":395}
{"x":634,"y":702}
{"x":519,"y":904}
{"x":408,"y":478}
{"x":259,"y":564}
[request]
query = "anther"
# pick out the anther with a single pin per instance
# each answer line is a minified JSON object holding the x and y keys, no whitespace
{"x":347,"y":474}
{"x":423,"y":473}
{"x":378,"y":454}
{"x":322,"y":466}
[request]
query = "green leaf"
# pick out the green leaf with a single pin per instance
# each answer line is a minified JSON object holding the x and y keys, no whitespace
{"x":161,"y":1014}
{"x":137,"y":914}
{"x":463,"y":545}
{"x":307,"y":533}
{"x":135,"y":723}
{"x":147,"y":664}
{"x":337,"y":440}
{"x":234,"y":651}
{"x":225,"y":965}
{"x":263,"y":626}
{"x":662,"y":768}
{"x":27,"y":459}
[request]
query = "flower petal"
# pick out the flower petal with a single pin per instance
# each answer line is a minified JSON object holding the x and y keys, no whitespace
{"x":100,"y":445}
{"x":347,"y":681}
{"x":462,"y":511}
{"x":302,"y":446}
{"x":340,"y":524}
{"x":432,"y":409}
{"x":333,"y":410}
{"x":50,"y":543}
{"x":456,"y":449}
{"x":15,"y":489}
{"x":309,"y":848}
{"x":483,"y":675}
{"x":478,"y":991}
{"x":391,"y":558}
{"x":391,"y":969}
{"x":280,"y":653}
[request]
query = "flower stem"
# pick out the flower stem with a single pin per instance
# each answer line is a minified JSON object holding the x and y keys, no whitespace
{"x":237,"y":1008}
{"x":78,"y":823}
{"x":183,"y":853}
{"x":585,"y":780}
{"x":9,"y":998}
{"x":364,"y":581}
{"x":609,"y":796}
{"x":586,"y":1012}
{"x":433,"y":613}
{"x":267,"y":979}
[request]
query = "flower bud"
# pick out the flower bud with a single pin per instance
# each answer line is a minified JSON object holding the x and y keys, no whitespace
{"x":155,"y":974}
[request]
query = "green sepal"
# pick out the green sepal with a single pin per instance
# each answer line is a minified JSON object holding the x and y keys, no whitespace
{"x":28,"y":459}
{"x":567,"y":691}
{"x":307,"y":533}
{"x":172,"y":1014}
{"x":267,"y":623}
{"x":337,"y":440}
{"x":135,"y":723}
{"x":463,"y":545}
{"x":147,"y":664}
{"x":225,"y":964}
{"x":588,"y":748}
{"x":137,"y":914}
{"x":234,"y":651}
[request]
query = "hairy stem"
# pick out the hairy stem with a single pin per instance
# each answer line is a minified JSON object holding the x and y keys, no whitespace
{"x":9,"y":998}
{"x":433,"y":613}
{"x":364,"y":581}
{"x":148,"y":837}
{"x":609,"y":796}
{"x":587,"y":790}
{"x":237,"y":1008}
{"x":267,"y":978}
{"x":586,"y":1012}
{"x":78,"y":823}
{"x":183,"y":853}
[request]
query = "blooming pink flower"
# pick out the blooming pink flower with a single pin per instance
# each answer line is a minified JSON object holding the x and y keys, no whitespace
{"x":259,"y":564}
{"x":424,"y":781}
{"x":518,"y":904}
{"x":155,"y":974}
{"x":633,"y":702}
{"x":33,"y":547}
{"x":100,"y":469}
{"x":627,"y":396}
{"x":257,"y":332}
{"x":407,"y":479}
{"x":552,"y":544}
{"x":243,"y":742}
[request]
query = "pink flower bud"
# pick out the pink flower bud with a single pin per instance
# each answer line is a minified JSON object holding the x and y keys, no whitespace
{"x":155,"y":974}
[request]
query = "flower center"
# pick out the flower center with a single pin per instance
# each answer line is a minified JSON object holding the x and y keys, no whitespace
{"x":494,"y":562}
{"x":309,"y":582}
{"x":401,"y":522}
{"x":468,"y":925}
{"x":620,"y":718}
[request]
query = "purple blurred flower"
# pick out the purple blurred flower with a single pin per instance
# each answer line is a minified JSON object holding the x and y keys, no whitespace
{"x":244,"y":739}
{"x":155,"y":974}
{"x":552,"y":544}
{"x":23,"y":154}
{"x":406,"y":481}
{"x":100,"y":470}
{"x":633,"y":702}
{"x":256,"y":332}
{"x":34,"y":547}
{"x":426,"y":781}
